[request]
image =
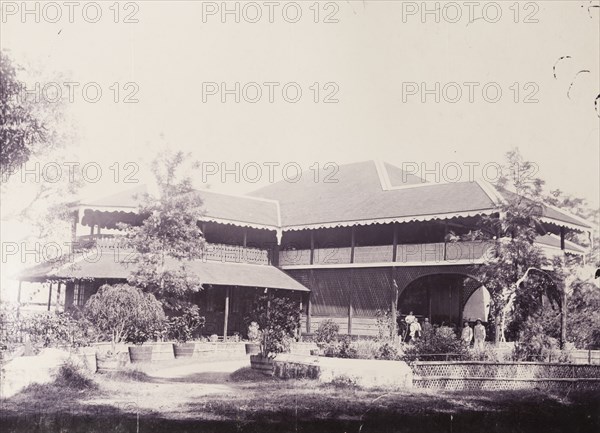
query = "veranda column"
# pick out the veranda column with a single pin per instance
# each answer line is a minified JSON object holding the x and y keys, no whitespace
{"x":19,"y":299}
{"x":226,"y":314}
{"x":50,"y":296}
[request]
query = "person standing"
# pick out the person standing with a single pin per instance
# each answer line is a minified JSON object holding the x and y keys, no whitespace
{"x":415,"y":330}
{"x":479,"y":334}
{"x":467,"y":334}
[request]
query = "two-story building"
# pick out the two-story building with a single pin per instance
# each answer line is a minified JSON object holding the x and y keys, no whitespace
{"x":373,"y":238}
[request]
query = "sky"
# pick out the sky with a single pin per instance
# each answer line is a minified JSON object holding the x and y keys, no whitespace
{"x":375,"y":62}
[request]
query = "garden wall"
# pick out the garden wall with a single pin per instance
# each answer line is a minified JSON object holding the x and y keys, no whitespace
{"x":472,"y":375}
{"x":362,"y":372}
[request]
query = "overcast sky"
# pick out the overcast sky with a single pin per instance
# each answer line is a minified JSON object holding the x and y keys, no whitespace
{"x":374,"y":51}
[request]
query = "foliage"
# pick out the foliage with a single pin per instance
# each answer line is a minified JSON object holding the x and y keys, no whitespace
{"x":21,"y":129}
{"x":442,"y":340}
{"x":513,"y":234}
{"x":345,"y":347}
{"x":254,"y":333}
{"x":48,"y":329}
{"x":169,"y":237}
{"x":583,"y":319}
{"x":71,"y":375}
{"x":125,"y":313}
{"x":182,"y":326}
{"x":327,"y":333}
{"x":534,"y":343}
{"x":388,"y":351}
{"x":279,"y":320}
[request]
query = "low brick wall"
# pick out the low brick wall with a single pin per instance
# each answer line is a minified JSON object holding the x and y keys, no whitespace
{"x":363,"y":372}
{"x":472,"y":375}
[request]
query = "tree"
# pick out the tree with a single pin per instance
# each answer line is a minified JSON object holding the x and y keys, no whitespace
{"x":21,"y":130}
{"x":125,"y":313}
{"x":513,"y":232}
{"x":169,"y":236}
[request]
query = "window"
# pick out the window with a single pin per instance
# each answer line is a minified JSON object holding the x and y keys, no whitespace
{"x":78,"y":293}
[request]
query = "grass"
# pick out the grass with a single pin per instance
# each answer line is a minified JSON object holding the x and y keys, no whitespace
{"x":246,"y":401}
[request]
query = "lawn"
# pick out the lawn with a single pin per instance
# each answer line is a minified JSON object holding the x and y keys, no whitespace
{"x":189,"y":396}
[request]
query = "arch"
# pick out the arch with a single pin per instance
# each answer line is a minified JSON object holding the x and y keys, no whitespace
{"x":441,"y":295}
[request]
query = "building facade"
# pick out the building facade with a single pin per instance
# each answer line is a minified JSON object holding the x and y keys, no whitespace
{"x":371,"y":238}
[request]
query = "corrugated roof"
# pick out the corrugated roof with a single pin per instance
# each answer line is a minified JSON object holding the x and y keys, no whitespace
{"x":216,"y":206}
{"x":358,"y":195}
{"x":363,"y":193}
{"x":118,"y":265}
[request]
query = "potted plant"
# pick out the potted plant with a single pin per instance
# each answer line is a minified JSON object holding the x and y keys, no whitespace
{"x":182,"y":327}
{"x":279,"y":319}
{"x":254,"y":334}
{"x":123,"y":313}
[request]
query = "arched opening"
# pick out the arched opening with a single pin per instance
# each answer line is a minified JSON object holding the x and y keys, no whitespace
{"x":445,"y":299}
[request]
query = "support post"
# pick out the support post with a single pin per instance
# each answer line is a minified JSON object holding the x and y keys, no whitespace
{"x":58,"y":290}
{"x":50,"y":296}
{"x":312,"y":247}
{"x":308,"y":314}
{"x":562,"y":238}
{"x":445,"y":242}
{"x":245,"y":244}
{"x":395,"y":243}
{"x":563,"y":318}
{"x":227,"y":292}
{"x":394,"y":305}
{"x":350,"y":314}
{"x":352,"y":243}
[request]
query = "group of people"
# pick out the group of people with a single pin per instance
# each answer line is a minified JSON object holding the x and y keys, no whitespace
{"x":468,"y":334}
{"x":477,"y":333}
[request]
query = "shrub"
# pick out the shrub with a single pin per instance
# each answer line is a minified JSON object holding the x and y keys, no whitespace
{"x":57,"y":329}
{"x":534,"y":343}
{"x":125,"y":313}
{"x":181,"y":327}
{"x":388,"y":351}
{"x":279,"y":319}
{"x":440,"y":341}
{"x":327,"y":333}
{"x":72,"y":376}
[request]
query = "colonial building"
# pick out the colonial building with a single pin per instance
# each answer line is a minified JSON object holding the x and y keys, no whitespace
{"x":373,"y":238}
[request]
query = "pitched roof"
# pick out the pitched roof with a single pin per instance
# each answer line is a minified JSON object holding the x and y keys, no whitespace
{"x":554,"y":215}
{"x":252,"y":211}
{"x":118,"y":265}
{"x":357,"y":193}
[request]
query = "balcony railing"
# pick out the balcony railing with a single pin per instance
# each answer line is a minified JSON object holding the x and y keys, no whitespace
{"x":212,"y":252}
{"x":457,"y":252}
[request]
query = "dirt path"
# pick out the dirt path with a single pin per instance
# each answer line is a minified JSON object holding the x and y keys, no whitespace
{"x":171,"y":389}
